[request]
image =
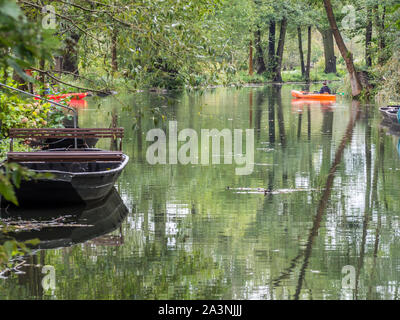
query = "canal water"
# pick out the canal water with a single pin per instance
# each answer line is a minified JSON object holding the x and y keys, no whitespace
{"x":316,"y":218}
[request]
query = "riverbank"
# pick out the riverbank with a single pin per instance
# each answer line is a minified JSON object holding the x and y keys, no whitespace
{"x":120,"y":84}
{"x":241,"y":79}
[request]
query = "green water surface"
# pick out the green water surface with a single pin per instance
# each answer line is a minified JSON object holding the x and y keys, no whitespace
{"x":202,"y":232}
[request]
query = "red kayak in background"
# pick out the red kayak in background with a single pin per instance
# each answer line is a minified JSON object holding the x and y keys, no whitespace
{"x":75,"y":96}
{"x":78,"y":103}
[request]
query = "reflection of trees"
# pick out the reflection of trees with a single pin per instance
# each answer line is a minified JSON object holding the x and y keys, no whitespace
{"x":281,"y":121}
{"x":309,"y":123}
{"x":251,"y":108}
{"x":367,"y":201}
{"x":299,"y":125}
{"x":325,"y":197}
{"x":282,"y":132}
{"x":160,"y":219}
{"x":271,"y":114}
{"x":374,"y":199}
{"x":231,"y":236}
{"x":31,"y":276}
{"x":260,"y":99}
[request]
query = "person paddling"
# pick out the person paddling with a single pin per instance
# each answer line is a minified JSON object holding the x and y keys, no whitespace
{"x":325,"y":89}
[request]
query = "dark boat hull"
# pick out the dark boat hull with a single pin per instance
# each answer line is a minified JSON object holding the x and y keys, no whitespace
{"x":390,"y":113}
{"x":390,"y":121}
{"x":73,"y":187}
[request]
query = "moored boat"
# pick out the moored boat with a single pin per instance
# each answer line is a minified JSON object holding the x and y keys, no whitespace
{"x":390,"y":120}
{"x":390,"y":112}
{"x":72,"y":181}
{"x":77,"y":175}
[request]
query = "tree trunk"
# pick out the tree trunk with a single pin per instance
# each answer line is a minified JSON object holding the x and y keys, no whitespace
{"x":271,"y":114}
{"x":303,"y":71}
{"x":380,"y":23}
{"x":329,"y":50}
{"x":22,"y":84}
{"x":261,"y":68}
{"x":251,"y":58}
{"x":42,"y":75}
{"x":356,"y":86}
{"x":58,"y":64}
{"x":271,"y":46}
{"x":114,"y":63}
{"x":70,"y":54}
{"x":368,"y":38}
{"x":279,"y":51}
{"x":281,"y":121}
{"x":308,"y":67}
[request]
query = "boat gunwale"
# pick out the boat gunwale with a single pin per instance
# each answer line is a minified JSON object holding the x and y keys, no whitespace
{"x":120,"y":167}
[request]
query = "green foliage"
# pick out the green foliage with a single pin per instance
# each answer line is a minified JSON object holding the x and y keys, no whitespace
{"x":315,"y":75}
{"x":11,"y":249}
{"x":12,"y":175}
{"x":21,"y":40}
{"x":16,"y":112}
{"x":389,"y":90}
{"x":385,"y":73}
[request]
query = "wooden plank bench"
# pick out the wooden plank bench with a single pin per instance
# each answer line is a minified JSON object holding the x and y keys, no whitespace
{"x":65,"y":156}
{"x":61,"y":133}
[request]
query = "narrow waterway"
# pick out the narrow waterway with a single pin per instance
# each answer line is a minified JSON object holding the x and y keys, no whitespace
{"x":317,"y":217}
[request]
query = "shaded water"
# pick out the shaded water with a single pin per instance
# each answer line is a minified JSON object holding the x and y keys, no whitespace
{"x":322,"y":197}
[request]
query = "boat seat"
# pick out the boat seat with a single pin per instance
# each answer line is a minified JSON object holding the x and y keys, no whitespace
{"x":64,"y":156}
{"x":61,"y":133}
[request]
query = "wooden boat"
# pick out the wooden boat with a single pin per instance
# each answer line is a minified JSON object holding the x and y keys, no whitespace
{"x":390,"y":120}
{"x":67,"y":225}
{"x":78,"y":175}
{"x":75,"y":96}
{"x":390,"y":112}
{"x":313,"y":96}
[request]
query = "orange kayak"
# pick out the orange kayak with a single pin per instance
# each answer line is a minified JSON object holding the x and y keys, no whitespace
{"x":312,"y":102}
{"x":313,"y":96}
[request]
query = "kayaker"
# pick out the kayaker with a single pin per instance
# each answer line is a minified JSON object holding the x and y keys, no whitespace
{"x":325,"y":88}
